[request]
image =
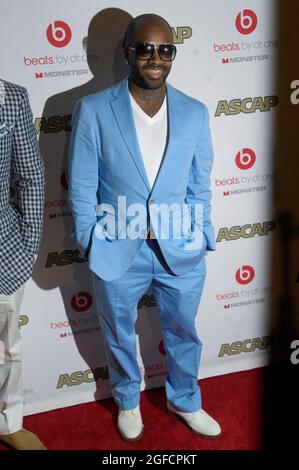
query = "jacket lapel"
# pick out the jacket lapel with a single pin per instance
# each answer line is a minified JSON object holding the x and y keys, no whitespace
{"x":122,"y":110}
{"x":174,"y":111}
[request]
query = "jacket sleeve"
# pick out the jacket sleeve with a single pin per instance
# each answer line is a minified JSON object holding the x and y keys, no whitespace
{"x":83,"y":175}
{"x":198,"y":190}
{"x":28,"y":177}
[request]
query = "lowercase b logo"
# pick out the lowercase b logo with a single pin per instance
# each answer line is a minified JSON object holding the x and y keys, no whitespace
{"x":245,"y":274}
{"x":59,"y":33}
{"x":245,"y":159}
{"x":81,"y":301}
{"x":246,"y":21}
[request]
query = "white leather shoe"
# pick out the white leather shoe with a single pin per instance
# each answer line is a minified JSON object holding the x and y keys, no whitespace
{"x":130,"y":424}
{"x":199,"y":421}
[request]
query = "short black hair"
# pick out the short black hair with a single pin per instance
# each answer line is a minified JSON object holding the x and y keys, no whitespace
{"x":135,"y":22}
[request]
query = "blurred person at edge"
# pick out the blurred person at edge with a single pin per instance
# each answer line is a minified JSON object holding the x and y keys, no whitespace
{"x":22,"y":168}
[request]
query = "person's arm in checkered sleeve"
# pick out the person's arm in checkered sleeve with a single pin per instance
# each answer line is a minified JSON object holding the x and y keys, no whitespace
{"x":28,"y":174}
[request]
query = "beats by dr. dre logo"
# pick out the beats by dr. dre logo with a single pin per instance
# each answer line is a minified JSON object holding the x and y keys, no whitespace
{"x":245,"y":159}
{"x":59,"y":34}
{"x":245,"y":274}
{"x":81,"y":301}
{"x":161,"y":348}
{"x":246,"y":21}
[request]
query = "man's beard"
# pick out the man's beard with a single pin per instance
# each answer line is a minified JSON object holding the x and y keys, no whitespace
{"x":142,"y":82}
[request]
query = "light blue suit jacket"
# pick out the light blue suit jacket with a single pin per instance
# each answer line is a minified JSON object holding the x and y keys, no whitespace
{"x":105,"y":162}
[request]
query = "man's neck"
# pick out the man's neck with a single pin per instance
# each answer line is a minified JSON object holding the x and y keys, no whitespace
{"x":149,"y":100}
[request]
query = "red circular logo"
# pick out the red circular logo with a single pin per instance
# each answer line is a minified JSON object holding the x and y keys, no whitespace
{"x":161,"y":348}
{"x":245,"y":159}
{"x":246,"y":21}
{"x":59,"y":34}
{"x":245,"y":274}
{"x":81,"y":301}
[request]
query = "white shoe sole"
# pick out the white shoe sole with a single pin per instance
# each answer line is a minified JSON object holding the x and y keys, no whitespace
{"x":132,"y":439}
{"x":205,"y":436}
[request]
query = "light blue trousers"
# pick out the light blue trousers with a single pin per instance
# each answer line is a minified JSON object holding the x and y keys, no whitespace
{"x":177,"y":299}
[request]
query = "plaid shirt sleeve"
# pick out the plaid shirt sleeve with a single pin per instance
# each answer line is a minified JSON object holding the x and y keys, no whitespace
{"x":28,"y":176}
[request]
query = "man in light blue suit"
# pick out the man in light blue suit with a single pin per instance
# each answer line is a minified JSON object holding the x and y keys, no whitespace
{"x":143,"y":147}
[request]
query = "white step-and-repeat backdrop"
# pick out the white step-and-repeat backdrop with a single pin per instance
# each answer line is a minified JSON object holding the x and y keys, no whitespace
{"x":64,"y":49}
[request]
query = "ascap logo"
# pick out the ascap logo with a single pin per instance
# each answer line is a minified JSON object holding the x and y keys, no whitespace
{"x":246,"y":105}
{"x":64,"y":258}
{"x":79,"y":377}
{"x":246,"y":346}
{"x":59,"y":34}
{"x":23,"y":320}
{"x":53,"y":124}
{"x":245,"y":231}
{"x":81,"y":301}
{"x":295,"y":94}
{"x":245,"y":159}
{"x":181,"y":33}
{"x":246,"y":21}
{"x":245,"y":274}
{"x":147,"y":300}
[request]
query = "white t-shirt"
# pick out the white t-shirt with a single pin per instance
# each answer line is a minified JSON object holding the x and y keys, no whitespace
{"x":152,"y":136}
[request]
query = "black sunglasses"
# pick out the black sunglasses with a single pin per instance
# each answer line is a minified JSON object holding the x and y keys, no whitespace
{"x":145,"y":50}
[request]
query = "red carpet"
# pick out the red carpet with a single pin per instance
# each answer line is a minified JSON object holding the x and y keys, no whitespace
{"x":235,"y":400}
